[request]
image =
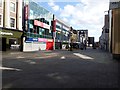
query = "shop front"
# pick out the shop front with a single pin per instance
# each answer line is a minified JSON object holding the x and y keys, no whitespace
{"x":10,"y":39}
{"x":37,"y":28}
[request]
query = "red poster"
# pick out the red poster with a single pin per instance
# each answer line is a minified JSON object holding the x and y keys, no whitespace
{"x":49,"y":46}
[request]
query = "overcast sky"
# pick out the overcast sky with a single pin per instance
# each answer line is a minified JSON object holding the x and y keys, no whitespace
{"x":80,"y":14}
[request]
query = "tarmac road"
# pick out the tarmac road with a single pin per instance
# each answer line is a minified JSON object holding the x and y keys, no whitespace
{"x":89,"y":68}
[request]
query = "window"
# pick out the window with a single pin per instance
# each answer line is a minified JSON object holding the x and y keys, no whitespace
{"x":0,"y":19}
{"x":12,"y":7}
{"x":12,"y":22}
{"x":0,"y":3}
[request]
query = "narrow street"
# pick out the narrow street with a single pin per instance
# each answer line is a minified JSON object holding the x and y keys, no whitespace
{"x":91,"y":68}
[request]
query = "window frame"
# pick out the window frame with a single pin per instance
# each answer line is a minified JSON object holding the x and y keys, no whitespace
{"x":1,"y":4}
{"x":14,"y":8}
{"x":14,"y":22}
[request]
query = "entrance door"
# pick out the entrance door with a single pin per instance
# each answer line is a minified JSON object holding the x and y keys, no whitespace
{"x":14,"y":44}
{"x":3,"y":44}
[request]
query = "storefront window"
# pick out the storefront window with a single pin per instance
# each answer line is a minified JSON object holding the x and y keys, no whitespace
{"x":12,"y":22}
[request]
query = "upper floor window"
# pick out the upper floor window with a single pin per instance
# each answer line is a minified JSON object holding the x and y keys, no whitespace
{"x":12,"y":6}
{"x":12,"y":22}
{"x":0,"y":19}
{"x":0,"y":3}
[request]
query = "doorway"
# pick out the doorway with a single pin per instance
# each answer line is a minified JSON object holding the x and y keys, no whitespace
{"x":3,"y":44}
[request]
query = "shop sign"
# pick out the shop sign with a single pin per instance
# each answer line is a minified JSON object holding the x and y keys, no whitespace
{"x":29,"y":39}
{"x":42,"y":40}
{"x":35,"y":39}
{"x":114,"y":5}
{"x":38,"y":23}
{"x":32,"y":40}
{"x":46,"y":26}
{"x":6,"y":33}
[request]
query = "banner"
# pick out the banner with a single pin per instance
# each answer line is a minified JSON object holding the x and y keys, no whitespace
{"x":54,"y":25}
{"x":26,"y":12}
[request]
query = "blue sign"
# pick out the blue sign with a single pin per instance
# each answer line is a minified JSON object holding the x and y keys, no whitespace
{"x":32,"y":40}
{"x":29,"y":39}
{"x":35,"y":39}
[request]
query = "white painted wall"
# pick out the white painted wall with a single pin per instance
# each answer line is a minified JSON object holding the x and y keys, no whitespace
{"x":7,"y":13}
{"x":42,"y":46}
{"x":19,"y":17}
{"x":33,"y":46}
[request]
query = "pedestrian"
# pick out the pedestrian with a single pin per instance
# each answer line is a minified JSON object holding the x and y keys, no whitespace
{"x":85,"y":44}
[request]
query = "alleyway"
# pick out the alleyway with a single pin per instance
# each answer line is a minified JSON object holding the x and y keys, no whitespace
{"x":91,"y":68}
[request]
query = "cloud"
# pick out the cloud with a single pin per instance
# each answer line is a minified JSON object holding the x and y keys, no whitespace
{"x":53,"y":5}
{"x":86,"y":14}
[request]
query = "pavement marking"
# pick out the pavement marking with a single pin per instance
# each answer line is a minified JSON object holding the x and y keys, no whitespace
{"x":6,"y":68}
{"x":47,"y":56}
{"x":32,"y":62}
{"x":83,"y":56}
{"x":19,"y":57}
{"x":63,"y":57}
{"x":15,"y":53}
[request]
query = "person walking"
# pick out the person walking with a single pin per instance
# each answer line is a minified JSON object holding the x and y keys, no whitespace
{"x":85,"y":44}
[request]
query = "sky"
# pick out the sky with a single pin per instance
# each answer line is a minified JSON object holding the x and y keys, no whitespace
{"x":80,"y":14}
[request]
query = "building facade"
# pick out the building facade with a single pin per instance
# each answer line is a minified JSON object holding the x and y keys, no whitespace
{"x":62,"y":34}
{"x":104,"y":38}
{"x":10,"y":24}
{"x":114,"y":35}
{"x":37,"y":27}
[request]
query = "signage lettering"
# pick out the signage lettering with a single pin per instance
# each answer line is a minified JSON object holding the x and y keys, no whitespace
{"x":42,"y":40}
{"x":6,"y":33}
{"x":32,"y":40}
{"x":46,"y":26}
{"x":114,"y":5}
{"x":41,"y":24}
{"x":38,"y":23}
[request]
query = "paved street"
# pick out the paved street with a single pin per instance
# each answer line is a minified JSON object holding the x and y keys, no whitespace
{"x":91,"y":68}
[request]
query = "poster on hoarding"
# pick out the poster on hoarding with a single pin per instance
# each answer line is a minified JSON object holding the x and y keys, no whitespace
{"x":42,"y":40}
